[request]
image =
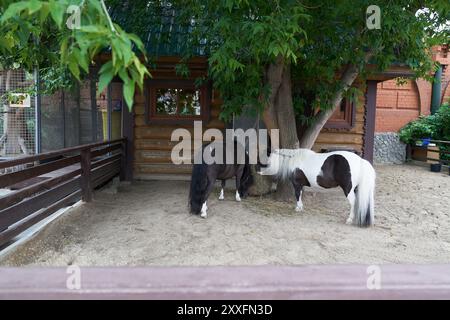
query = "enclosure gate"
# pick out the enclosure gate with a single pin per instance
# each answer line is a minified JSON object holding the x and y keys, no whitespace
{"x":49,"y":181}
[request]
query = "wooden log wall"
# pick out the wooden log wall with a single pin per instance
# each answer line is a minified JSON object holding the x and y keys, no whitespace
{"x":346,"y":138}
{"x":152,"y":145}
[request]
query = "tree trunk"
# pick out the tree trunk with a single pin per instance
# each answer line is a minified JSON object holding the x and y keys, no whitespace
{"x":279,"y":114}
{"x":284,"y":108}
{"x":288,"y":129}
{"x":273,"y":77}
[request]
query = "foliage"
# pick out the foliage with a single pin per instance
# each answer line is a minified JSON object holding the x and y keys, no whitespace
{"x":35,"y":34}
{"x":318,"y":39}
{"x":241,"y":38}
{"x":443,"y":130}
{"x":424,"y":127}
{"x":436,"y":127}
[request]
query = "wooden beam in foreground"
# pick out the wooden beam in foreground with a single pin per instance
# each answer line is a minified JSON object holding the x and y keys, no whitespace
{"x":258,"y":282}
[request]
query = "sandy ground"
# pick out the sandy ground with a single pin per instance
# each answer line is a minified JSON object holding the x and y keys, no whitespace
{"x":147,"y":223}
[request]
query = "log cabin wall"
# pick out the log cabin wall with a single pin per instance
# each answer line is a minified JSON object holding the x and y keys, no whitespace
{"x":152,"y":145}
{"x":346,"y":138}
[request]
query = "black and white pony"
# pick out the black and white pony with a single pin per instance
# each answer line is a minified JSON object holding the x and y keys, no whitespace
{"x":305,"y":168}
{"x":205,"y":175}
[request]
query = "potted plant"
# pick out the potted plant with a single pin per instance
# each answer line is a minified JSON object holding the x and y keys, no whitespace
{"x":419,"y":133}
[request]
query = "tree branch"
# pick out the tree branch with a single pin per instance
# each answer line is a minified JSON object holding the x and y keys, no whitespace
{"x":108,"y":17}
{"x":348,"y":77}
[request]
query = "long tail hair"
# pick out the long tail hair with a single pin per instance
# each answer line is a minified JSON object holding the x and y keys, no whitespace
{"x":364,"y":205}
{"x":246,"y":180}
{"x":199,"y":184}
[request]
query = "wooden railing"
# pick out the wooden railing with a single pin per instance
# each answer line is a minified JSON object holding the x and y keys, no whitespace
{"x":396,"y":281}
{"x":47,"y":182}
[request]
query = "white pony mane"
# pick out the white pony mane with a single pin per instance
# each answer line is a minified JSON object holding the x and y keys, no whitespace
{"x":285,"y":161}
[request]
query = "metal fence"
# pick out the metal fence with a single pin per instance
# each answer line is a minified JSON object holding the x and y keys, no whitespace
{"x":17,"y":114}
{"x":66,"y":118}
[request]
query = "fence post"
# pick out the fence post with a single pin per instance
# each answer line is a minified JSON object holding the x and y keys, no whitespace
{"x":86,"y":183}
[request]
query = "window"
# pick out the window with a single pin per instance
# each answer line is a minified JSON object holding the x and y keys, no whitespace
{"x":343,"y":117}
{"x":177,"y":101}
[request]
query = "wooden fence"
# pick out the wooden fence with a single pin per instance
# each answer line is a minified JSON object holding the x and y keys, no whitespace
{"x":251,"y":282}
{"x":44,"y":183}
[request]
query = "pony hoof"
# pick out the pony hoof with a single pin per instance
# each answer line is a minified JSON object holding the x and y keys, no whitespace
{"x":349,"y":221}
{"x":299,"y":209}
{"x":204,"y":215}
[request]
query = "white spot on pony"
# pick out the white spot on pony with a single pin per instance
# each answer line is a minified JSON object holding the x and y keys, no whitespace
{"x":299,"y":206}
{"x":351,"y":198}
{"x":238,"y":197}
{"x":203,"y":212}
{"x":221,"y":196}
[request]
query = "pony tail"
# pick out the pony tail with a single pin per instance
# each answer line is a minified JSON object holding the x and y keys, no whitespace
{"x":197,"y":192}
{"x":246,"y":180}
{"x":364,"y":208}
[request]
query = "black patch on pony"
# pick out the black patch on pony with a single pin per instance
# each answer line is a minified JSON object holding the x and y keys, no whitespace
{"x":336,"y":172}
{"x":246,"y":180}
{"x":299,"y":178}
{"x":205,"y":175}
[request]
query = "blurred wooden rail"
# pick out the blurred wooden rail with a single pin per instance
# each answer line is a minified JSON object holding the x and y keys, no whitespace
{"x":72,"y":174}
{"x":250,"y":282}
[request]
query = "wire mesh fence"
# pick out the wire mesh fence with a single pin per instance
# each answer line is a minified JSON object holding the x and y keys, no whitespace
{"x":17,"y":113}
{"x":69,"y":117}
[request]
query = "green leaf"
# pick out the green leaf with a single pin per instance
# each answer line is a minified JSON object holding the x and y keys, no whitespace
{"x":73,"y":67}
{"x":128,"y":93}
{"x":34,"y":6}
{"x":93,"y":29}
{"x":14,"y":10}
{"x":106,"y":75}
{"x":43,"y":14}
{"x":57,"y":12}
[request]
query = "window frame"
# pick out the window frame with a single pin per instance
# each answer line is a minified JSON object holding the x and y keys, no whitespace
{"x":349,"y":117}
{"x":151,"y":87}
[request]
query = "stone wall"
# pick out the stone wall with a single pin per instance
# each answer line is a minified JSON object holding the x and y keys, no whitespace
{"x":388,"y":148}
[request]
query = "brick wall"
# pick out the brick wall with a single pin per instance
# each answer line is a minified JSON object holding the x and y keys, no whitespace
{"x":396,"y":105}
{"x":399,"y":104}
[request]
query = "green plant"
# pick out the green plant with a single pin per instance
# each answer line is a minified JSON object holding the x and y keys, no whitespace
{"x":67,"y":36}
{"x":424,"y":127}
{"x":436,"y":127}
{"x":442,"y":117}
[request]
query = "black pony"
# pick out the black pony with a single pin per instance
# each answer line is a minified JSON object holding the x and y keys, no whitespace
{"x":205,"y":175}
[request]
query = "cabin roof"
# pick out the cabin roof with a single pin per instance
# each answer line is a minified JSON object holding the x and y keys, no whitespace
{"x":159,"y":29}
